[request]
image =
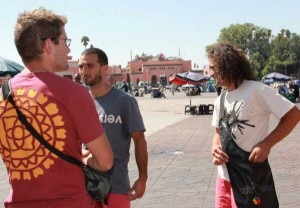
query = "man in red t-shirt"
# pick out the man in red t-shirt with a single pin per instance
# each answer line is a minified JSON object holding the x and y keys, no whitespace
{"x":54,"y":106}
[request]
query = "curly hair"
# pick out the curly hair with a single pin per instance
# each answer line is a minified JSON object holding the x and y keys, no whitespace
{"x":33,"y":28}
{"x":231,"y":62}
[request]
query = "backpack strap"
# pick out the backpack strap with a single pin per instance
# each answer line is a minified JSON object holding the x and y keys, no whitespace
{"x":222,"y":100}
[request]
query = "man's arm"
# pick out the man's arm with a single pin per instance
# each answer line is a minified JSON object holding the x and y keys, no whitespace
{"x":286,"y":124}
{"x":101,"y":157}
{"x":141,"y":157}
{"x":218,"y":156}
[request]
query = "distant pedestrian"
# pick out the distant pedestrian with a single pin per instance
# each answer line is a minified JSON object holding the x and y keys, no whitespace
{"x":125,"y":87}
{"x":198,"y":90}
{"x":161,"y":91}
{"x":296,"y":92}
{"x":241,"y":144}
{"x":219,"y":89}
{"x":173,"y":88}
{"x":77,"y":79}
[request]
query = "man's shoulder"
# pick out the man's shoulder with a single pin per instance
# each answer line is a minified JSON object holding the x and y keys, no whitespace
{"x":121,"y":94}
{"x":252,"y":84}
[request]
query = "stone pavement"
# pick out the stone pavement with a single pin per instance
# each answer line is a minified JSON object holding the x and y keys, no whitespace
{"x":181,"y":174}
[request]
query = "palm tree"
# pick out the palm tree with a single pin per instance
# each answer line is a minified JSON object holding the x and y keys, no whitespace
{"x":288,"y":34}
{"x":85,"y":40}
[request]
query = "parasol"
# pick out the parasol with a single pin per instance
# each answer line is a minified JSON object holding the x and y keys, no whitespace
{"x":188,"y":78}
{"x":8,"y":67}
{"x":276,"y":77}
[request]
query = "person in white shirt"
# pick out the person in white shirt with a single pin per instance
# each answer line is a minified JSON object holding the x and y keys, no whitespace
{"x":248,"y":105}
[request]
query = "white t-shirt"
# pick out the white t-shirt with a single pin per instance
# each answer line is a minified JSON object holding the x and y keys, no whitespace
{"x":250,"y":105}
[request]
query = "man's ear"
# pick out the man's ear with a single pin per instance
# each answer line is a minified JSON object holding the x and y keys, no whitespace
{"x":105,"y":67}
{"x":48,"y":44}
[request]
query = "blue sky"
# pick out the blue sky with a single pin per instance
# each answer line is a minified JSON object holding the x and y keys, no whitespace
{"x":172,"y":27}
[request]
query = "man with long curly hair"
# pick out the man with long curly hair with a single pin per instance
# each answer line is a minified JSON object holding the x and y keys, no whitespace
{"x":245,"y":107}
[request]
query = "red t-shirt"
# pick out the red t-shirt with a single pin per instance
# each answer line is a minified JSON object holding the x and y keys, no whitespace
{"x":63,"y":112}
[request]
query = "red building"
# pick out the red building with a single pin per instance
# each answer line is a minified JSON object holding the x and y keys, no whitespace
{"x":207,"y":71}
{"x":150,"y":69}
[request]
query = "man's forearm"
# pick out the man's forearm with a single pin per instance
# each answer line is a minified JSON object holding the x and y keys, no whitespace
{"x":141,"y":157}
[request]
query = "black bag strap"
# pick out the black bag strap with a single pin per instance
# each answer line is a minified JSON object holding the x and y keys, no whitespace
{"x":222,"y":100}
{"x":7,"y":94}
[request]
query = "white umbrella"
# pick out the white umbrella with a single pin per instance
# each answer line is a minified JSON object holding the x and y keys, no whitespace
{"x":276,"y":77}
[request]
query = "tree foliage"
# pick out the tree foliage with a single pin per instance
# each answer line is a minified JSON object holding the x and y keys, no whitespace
{"x":85,"y":41}
{"x":266,"y":52}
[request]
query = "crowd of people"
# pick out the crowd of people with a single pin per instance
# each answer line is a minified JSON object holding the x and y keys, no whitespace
{"x":98,"y":123}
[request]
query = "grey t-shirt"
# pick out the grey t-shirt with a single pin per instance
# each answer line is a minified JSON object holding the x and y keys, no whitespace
{"x":120,"y":116}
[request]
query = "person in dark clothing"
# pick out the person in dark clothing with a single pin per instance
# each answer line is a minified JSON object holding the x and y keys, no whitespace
{"x":219,"y":90}
{"x":296,"y":91}
{"x":125,"y":87}
{"x":198,"y":90}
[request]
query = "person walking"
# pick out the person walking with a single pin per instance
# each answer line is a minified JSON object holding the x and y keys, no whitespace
{"x":296,"y":92}
{"x":173,"y":88}
{"x":219,"y":89}
{"x":242,"y":140}
{"x":38,"y":178}
{"x":125,"y":87}
{"x":161,"y":91}
{"x":122,"y":120}
{"x":77,"y":78}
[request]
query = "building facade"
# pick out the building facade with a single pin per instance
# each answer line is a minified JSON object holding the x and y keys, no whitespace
{"x":156,"y":70}
{"x":207,"y":71}
{"x":150,"y":69}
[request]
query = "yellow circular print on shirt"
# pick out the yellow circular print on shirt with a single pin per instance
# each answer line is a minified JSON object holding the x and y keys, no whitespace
{"x":24,"y":156}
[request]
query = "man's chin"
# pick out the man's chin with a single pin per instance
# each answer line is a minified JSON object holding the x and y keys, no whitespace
{"x":61,"y":69}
